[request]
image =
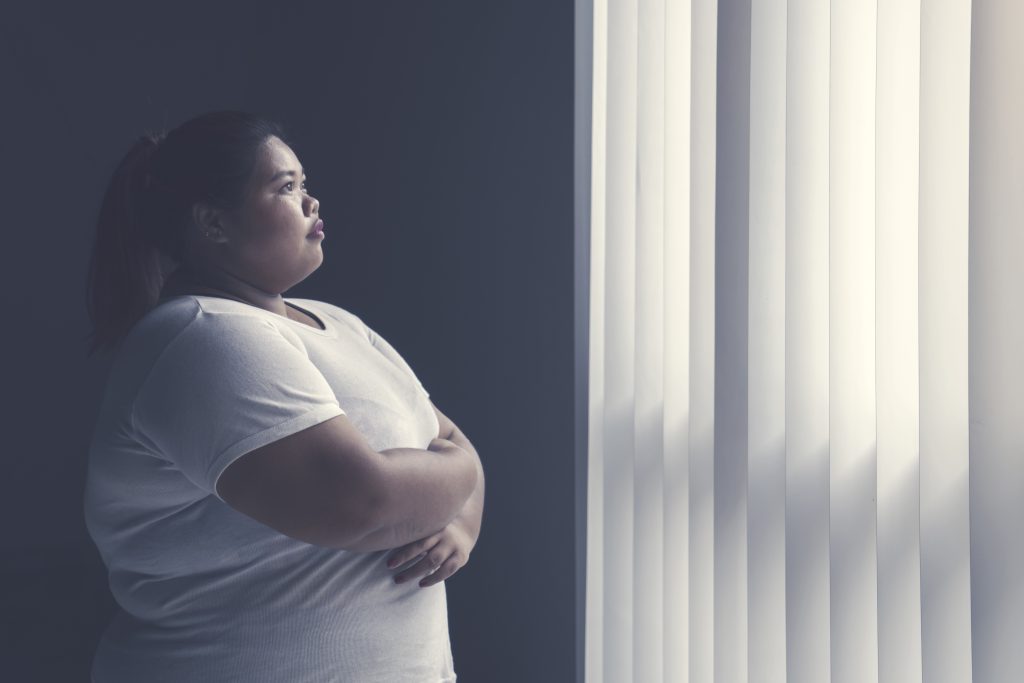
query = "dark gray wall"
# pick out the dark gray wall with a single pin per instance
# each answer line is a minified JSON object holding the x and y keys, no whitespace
{"x":438,"y":136}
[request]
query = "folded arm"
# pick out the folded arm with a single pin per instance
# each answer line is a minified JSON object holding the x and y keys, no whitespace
{"x":471,"y":515}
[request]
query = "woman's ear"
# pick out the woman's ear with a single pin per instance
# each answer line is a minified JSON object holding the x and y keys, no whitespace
{"x":209,"y":221}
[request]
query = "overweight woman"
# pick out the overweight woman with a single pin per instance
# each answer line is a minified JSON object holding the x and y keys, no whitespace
{"x":272,"y":491}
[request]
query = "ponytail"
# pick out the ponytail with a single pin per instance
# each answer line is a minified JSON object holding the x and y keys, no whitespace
{"x":126,"y":269}
{"x":140,"y":232}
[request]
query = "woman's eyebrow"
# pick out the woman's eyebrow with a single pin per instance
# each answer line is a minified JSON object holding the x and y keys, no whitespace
{"x":281,"y":174}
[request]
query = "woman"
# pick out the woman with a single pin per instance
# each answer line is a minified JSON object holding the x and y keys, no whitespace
{"x":272,"y":566}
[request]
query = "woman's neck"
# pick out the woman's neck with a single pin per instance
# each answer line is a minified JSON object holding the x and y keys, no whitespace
{"x":217,"y":282}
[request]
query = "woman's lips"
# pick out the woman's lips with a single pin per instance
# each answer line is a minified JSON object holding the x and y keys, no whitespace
{"x":318,"y":229}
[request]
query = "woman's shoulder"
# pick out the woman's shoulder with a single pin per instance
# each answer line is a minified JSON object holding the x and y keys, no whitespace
{"x":203,"y":320}
{"x":206,"y":332}
{"x":200,"y":312}
{"x":161,"y":324}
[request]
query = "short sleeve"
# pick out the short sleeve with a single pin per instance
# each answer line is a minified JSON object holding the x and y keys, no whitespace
{"x":225,"y":386}
{"x":389,"y":351}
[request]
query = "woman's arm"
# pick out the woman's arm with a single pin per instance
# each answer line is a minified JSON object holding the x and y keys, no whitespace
{"x":469,"y":518}
{"x":471,"y":515}
{"x":424,"y":490}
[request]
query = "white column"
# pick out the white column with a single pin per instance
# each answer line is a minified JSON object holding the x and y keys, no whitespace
{"x":766,"y":353}
{"x":649,"y":467}
{"x":731,"y":342}
{"x":619,"y":334}
{"x":945,"y":554}
{"x":853,"y":557}
{"x":702,"y":330}
{"x":680,"y":431}
{"x":896,"y":187}
{"x":594,"y":629}
{"x":807,"y":334}
{"x":997,"y":340}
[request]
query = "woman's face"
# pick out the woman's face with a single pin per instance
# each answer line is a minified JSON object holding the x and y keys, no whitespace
{"x":267,"y":241}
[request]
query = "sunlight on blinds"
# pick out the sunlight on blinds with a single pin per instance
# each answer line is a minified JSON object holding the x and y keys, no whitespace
{"x":798,"y":468}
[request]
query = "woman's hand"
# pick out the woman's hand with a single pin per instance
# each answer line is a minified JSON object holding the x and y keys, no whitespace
{"x":448,"y":550}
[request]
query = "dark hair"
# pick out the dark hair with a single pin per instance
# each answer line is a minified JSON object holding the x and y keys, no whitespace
{"x":140,"y":232}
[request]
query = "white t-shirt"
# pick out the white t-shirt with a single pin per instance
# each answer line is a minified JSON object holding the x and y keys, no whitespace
{"x":205,"y":592}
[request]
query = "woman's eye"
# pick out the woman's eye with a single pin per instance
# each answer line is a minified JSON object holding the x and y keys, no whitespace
{"x":289,"y":186}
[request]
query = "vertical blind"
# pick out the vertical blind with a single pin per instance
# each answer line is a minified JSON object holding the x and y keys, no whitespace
{"x":805,"y":403}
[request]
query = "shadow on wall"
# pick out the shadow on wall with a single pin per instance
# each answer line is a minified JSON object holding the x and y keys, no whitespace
{"x":65,"y":602}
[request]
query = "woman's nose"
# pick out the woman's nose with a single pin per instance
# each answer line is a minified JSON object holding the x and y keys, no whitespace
{"x":314,"y":205}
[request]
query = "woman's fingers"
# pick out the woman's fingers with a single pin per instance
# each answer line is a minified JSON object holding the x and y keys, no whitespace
{"x":412,"y":551}
{"x":431,"y":562}
{"x":447,"y":568}
{"x":439,"y":556}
